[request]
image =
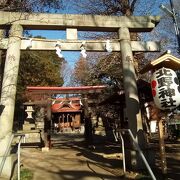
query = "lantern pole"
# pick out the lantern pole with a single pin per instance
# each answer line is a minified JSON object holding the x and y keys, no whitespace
{"x":155,"y":113}
{"x":162,"y":147}
{"x":163,"y":82}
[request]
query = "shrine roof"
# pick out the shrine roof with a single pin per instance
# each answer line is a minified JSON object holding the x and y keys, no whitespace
{"x":167,"y":60}
{"x":65,"y":90}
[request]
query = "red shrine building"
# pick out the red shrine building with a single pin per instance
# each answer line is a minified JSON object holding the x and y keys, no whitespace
{"x":64,"y":114}
{"x":67,"y":113}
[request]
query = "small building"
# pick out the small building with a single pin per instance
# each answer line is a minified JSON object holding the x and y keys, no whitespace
{"x":66,"y":113}
{"x":166,"y":60}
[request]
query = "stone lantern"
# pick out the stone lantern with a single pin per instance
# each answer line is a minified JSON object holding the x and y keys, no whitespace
{"x":29,"y":110}
{"x":29,"y":122}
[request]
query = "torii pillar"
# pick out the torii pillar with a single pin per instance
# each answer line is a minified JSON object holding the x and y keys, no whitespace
{"x":1,"y":58}
{"x":8,"y":93}
{"x":131,"y":96}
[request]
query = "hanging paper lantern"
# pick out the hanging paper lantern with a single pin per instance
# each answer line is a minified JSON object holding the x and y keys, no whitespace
{"x":165,"y":89}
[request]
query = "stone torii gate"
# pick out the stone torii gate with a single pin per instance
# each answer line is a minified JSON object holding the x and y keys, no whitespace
{"x":17,"y":22}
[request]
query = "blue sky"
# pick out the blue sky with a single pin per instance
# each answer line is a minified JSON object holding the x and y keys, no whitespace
{"x":70,"y":56}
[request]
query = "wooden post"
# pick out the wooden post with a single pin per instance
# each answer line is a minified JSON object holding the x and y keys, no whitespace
{"x":48,"y":114}
{"x":162,"y":147}
{"x":88,"y":123}
{"x":155,"y":114}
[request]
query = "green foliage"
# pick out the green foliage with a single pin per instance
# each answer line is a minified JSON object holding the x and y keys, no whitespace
{"x":142,"y":177}
{"x":26,"y":174}
{"x":38,"y":68}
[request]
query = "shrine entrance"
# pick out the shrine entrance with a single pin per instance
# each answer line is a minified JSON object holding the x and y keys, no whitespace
{"x":67,"y":122}
{"x":122,"y":25}
{"x":67,"y":115}
{"x":70,"y":114}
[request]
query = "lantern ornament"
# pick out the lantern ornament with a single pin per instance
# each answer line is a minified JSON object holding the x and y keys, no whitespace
{"x":165,"y":89}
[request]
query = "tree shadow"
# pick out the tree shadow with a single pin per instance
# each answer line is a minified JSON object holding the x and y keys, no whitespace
{"x":82,"y":163}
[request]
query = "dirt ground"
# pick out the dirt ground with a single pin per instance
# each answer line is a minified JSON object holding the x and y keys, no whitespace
{"x":70,"y":159}
{"x":173,"y":161}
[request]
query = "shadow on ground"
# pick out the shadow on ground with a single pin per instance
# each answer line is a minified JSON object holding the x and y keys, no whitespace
{"x":71,"y":159}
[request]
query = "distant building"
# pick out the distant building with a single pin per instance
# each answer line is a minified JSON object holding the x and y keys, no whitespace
{"x":67,"y":113}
